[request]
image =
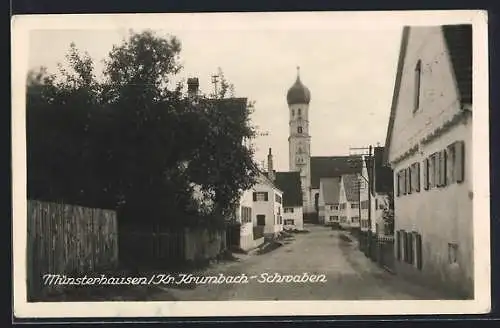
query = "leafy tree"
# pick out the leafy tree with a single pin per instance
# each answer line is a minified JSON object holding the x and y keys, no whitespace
{"x":132,"y":141}
{"x":388,"y":214}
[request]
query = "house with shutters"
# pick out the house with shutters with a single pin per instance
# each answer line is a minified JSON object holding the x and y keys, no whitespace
{"x":349,"y":210}
{"x":329,"y":210}
{"x":267,"y":200}
{"x":289,"y":183}
{"x":428,"y":147}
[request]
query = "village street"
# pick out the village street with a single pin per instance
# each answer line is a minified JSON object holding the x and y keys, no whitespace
{"x":349,"y":274}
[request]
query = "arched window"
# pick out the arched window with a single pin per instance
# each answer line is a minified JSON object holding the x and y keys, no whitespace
{"x":300,"y":150}
{"x":299,"y":129}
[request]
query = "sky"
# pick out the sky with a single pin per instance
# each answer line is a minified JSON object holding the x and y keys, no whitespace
{"x":349,"y":70}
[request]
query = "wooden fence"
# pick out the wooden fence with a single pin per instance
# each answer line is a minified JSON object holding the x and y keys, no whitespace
{"x":66,"y":239}
{"x":168,"y":248}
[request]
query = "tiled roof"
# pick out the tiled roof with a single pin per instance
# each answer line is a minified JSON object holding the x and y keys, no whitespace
{"x":334,"y":166}
{"x":383,"y":180}
{"x":331,"y":190}
{"x":289,"y":183}
{"x":351,"y":187}
{"x":459,"y":42}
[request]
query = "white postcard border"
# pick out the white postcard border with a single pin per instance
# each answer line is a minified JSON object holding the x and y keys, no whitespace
{"x":21,"y":25}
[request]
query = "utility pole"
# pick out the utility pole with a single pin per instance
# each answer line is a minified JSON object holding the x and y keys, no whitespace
{"x":365,"y":152}
{"x":215,"y":81}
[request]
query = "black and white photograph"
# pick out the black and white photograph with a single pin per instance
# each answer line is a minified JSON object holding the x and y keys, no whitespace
{"x":228,"y":164}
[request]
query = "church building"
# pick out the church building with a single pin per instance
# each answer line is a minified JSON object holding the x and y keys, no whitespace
{"x":312,"y":168}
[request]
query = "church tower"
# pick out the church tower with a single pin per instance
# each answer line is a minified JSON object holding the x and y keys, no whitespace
{"x":299,"y":140}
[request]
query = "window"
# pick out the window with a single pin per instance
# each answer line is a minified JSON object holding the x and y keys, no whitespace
{"x":354,"y":205}
{"x":261,"y":220}
{"x":460,"y":161}
{"x":260,"y":197}
{"x":299,"y":112}
{"x":334,"y":218}
{"x":288,"y":209}
{"x":376,"y":203}
{"x":442,"y":168}
{"x":334,"y":207}
{"x":364,"y":205}
{"x":277,"y":198}
{"x":293,"y":113}
{"x":355,"y":219}
{"x":455,"y":158}
{"x":246,"y":214}
{"x":418,"y":76}
{"x":289,"y":222}
{"x":299,"y":129}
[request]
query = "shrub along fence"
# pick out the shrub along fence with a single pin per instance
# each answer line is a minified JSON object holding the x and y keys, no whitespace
{"x":67,"y":239}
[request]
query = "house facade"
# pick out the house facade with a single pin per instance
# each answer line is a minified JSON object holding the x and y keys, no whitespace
{"x":349,"y":210}
{"x":428,"y":146}
{"x":267,"y":206}
{"x":290,"y":184}
{"x":247,"y":220}
{"x":329,"y":209}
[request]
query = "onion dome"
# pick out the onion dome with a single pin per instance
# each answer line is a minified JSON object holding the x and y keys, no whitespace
{"x":298,"y":93}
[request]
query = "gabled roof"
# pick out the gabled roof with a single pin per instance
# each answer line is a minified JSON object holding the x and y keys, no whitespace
{"x":263,"y":177}
{"x":458,"y":39}
{"x":331,"y":190}
{"x":351,"y":185}
{"x":333,"y":166}
{"x":459,"y":42}
{"x":289,"y":183}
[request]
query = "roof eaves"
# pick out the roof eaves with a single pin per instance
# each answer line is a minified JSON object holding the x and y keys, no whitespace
{"x":395,"y":95}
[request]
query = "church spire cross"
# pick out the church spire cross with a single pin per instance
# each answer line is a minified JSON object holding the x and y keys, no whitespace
{"x":298,"y":72}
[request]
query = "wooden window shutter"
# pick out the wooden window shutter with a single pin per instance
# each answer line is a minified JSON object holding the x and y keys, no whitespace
{"x":411,"y":248}
{"x":254,"y":196}
{"x":418,"y":245}
{"x":426,"y":174}
{"x":409,"y":177}
{"x":442,"y":164}
{"x":417,"y":176}
{"x":266,"y":197}
{"x":405,"y":246}
{"x":404,"y":184}
{"x":398,"y":245}
{"x":398,"y":184}
{"x":460,"y":161}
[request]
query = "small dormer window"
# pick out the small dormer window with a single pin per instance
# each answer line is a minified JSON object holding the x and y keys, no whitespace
{"x":299,"y":129}
{"x":418,"y":75}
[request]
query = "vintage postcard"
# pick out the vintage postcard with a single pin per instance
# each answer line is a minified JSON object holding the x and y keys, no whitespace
{"x":250,"y":164}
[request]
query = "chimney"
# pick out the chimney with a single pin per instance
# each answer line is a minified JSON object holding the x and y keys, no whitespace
{"x":193,"y":85}
{"x":270,"y":170}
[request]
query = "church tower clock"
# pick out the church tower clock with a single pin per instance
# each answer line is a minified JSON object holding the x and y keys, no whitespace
{"x":299,"y":140}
